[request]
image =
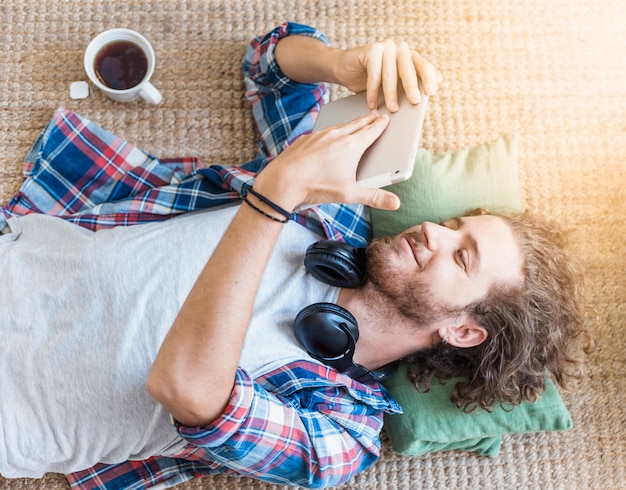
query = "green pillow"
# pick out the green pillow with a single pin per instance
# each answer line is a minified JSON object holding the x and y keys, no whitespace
{"x":431,"y":422}
{"x":446,"y":185}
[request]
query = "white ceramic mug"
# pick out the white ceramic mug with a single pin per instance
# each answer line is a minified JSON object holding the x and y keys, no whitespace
{"x":143,"y":88}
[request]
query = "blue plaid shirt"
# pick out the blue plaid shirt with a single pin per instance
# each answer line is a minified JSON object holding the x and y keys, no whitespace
{"x":303,"y":424}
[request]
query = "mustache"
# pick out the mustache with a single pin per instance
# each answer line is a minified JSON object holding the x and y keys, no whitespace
{"x":394,"y":240}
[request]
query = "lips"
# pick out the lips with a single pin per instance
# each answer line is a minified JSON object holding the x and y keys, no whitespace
{"x":413,"y":248}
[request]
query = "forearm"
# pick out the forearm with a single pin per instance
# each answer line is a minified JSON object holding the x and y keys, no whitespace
{"x":307,"y":60}
{"x":193,"y":373}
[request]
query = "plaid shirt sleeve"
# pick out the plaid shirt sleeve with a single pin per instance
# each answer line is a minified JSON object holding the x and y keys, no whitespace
{"x":80,"y":172}
{"x":302,"y":424}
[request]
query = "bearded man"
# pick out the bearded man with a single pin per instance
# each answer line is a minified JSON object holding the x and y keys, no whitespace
{"x":151,"y":354}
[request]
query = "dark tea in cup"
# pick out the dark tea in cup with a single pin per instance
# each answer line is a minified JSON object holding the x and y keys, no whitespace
{"x":121,"y":65}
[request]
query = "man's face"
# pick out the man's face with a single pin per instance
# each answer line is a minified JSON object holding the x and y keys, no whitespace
{"x":432,"y":271}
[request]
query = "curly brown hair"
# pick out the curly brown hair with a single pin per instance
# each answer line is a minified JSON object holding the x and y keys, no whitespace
{"x":533,"y":329}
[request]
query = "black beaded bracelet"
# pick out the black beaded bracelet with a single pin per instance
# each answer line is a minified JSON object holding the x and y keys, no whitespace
{"x":269,"y":203}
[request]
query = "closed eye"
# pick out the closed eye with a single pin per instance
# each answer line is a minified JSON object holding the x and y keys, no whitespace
{"x":461,"y":254}
{"x":464,"y":253}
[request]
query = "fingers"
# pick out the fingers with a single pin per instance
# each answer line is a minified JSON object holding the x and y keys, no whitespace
{"x":429,"y":76}
{"x":362,"y":131}
{"x":382,"y":70}
{"x":371,"y":131}
{"x":390,"y":75}
{"x":407,"y":73}
{"x":373,"y":122}
{"x":374,"y":74}
{"x":389,"y":63}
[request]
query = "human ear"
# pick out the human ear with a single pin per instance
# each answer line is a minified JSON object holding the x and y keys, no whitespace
{"x":464,"y":335}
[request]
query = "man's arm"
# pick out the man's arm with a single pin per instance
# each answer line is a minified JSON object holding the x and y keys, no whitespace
{"x":382,"y":64}
{"x":194,"y":372}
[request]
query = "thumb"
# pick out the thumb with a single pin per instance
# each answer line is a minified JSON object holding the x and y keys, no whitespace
{"x":379,"y":198}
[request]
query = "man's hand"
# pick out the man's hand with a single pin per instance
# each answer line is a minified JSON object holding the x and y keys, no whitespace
{"x":321,"y":167}
{"x":386,"y":64}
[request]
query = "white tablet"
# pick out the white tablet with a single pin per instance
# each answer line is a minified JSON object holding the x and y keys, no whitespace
{"x":391,"y":158}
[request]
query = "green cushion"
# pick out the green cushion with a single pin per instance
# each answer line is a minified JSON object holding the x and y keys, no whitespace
{"x":446,"y":185}
{"x":431,"y":422}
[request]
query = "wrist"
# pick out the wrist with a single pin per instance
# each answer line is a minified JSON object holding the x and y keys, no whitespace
{"x":277,"y":190}
{"x":265,"y":202}
{"x":329,"y":65}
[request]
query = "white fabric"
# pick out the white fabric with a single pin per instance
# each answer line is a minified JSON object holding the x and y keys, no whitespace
{"x":82,"y":316}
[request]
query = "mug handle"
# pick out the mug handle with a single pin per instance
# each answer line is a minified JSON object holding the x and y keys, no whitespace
{"x":150,"y":94}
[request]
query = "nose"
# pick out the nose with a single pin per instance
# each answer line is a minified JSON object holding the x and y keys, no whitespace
{"x":436,"y":236}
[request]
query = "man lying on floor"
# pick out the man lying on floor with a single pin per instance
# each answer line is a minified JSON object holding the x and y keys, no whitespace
{"x":140,"y":355}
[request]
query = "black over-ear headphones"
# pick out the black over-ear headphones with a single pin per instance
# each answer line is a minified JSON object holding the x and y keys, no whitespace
{"x":327,"y":331}
{"x":336,"y":263}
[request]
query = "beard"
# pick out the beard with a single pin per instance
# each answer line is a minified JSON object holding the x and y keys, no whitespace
{"x":414,"y":299}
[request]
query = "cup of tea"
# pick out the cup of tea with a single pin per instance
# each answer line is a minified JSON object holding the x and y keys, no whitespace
{"x":120,"y":62}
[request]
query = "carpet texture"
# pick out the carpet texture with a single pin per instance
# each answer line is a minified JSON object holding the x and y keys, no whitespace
{"x":553,"y":71}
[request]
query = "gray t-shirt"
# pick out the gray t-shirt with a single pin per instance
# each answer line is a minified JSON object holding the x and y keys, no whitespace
{"x":82,"y":316}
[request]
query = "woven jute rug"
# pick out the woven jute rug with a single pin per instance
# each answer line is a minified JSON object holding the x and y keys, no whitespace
{"x":553,"y":71}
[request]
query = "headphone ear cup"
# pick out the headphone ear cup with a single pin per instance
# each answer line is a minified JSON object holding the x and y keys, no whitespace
{"x":328,"y":332}
{"x":336,"y":263}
